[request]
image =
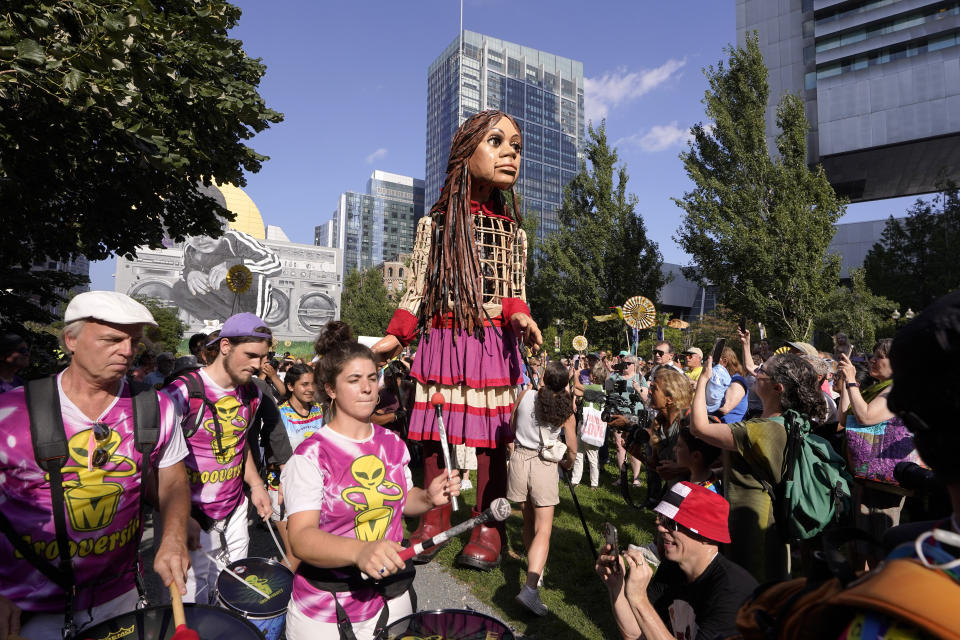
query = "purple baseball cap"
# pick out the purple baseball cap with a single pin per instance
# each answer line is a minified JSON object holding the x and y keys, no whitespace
{"x":242,"y":325}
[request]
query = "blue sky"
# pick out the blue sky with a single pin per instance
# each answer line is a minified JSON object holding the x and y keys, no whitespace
{"x":350,"y":78}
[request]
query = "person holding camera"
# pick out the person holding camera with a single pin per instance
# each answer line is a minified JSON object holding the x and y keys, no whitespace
{"x":626,"y":394}
{"x":695,"y":592}
{"x":538,"y":418}
{"x":670,"y":397}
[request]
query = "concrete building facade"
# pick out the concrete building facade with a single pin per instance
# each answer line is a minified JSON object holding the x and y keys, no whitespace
{"x":881,"y":83}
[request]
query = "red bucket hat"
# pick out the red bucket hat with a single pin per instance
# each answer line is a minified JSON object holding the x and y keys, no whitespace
{"x":700,"y":510}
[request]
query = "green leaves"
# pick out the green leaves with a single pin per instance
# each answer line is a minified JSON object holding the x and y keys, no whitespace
{"x":757,"y":228}
{"x":365,"y":305}
{"x":30,"y":52}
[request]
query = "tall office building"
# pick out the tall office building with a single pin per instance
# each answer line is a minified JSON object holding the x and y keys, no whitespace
{"x":542,"y":91}
{"x":375,"y":226}
{"x":881,"y":84}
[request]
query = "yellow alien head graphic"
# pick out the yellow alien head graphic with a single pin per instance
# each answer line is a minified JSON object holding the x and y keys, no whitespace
{"x":368,"y":471}
{"x":91,"y":501}
{"x":231,"y":423}
{"x":227,"y":408}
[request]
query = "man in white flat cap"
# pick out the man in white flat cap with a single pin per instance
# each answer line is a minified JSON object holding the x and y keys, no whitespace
{"x":75,"y":452}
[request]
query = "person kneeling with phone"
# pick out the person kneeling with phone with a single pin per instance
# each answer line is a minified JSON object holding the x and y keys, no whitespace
{"x":695,"y":592}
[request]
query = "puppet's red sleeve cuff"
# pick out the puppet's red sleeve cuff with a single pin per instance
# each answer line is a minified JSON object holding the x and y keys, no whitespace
{"x":403,"y":325}
{"x":512,"y":306}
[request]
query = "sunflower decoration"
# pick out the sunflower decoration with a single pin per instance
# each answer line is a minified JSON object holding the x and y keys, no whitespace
{"x":580,"y":343}
{"x":639,"y":313}
{"x":239,"y":279}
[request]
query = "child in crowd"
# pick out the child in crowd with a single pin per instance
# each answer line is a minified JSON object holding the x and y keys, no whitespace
{"x":698,"y":457}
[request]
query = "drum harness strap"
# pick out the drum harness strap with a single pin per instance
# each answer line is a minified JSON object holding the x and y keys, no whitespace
{"x":50,"y":450}
{"x":390,"y":587}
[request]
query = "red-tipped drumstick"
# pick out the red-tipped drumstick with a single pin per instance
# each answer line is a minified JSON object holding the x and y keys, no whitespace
{"x":183,"y":632}
{"x":437,"y":401}
{"x":499,"y":510}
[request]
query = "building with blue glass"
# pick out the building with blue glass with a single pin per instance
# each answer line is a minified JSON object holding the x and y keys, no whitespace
{"x":542,"y":91}
{"x":377,"y":226}
{"x":881,"y":83}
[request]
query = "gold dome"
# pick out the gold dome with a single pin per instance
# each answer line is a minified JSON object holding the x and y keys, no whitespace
{"x":248,"y":220}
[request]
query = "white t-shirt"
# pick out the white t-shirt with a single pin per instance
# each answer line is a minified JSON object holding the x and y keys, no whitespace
{"x":527,"y":426}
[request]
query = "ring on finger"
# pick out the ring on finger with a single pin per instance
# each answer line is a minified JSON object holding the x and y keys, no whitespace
{"x":383,"y":570}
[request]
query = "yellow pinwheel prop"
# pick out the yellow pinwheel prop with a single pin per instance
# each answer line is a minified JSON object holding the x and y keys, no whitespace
{"x":239,"y":278}
{"x":639,"y":313}
{"x":580,"y":343}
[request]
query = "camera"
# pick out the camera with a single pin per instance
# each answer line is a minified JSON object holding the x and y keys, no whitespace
{"x":615,"y":404}
{"x":912,"y":476}
{"x":639,"y":433}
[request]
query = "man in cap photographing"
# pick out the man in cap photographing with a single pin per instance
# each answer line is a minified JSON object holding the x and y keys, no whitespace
{"x":218,"y":404}
{"x":72,"y":468}
{"x":695,"y":592}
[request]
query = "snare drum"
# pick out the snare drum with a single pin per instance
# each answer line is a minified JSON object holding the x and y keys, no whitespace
{"x":267,"y":614}
{"x":447,"y":624}
{"x":156,"y":623}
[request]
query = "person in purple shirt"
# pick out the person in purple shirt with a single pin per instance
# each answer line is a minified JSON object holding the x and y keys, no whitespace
{"x":102,"y":480}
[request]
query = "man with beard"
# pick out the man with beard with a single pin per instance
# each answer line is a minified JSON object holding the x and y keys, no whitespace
{"x":218,"y":403}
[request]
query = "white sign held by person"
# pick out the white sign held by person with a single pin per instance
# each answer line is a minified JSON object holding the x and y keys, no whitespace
{"x":594,"y":430}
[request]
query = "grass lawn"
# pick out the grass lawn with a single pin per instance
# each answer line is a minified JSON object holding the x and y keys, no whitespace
{"x":577,"y":599}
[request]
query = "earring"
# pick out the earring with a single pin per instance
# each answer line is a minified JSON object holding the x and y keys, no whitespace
{"x":333,"y":406}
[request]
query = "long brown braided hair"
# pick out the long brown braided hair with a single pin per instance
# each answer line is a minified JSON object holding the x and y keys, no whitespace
{"x":454,"y":279}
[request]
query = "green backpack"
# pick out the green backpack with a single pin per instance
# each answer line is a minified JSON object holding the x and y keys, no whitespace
{"x":814,"y":490}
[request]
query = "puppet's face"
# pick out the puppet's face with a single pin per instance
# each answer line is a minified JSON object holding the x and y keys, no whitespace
{"x":496,"y":159}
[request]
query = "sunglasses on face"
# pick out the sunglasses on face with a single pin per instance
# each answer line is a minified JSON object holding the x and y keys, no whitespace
{"x":658,"y":352}
{"x":101,"y":433}
{"x":667,"y":523}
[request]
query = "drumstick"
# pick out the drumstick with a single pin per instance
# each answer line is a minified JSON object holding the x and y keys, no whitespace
{"x":437,"y":401}
{"x":237,"y":577}
{"x":498,"y":510}
{"x":183,"y":632}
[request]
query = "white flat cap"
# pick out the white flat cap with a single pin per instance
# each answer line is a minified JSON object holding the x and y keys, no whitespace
{"x":107,"y":306}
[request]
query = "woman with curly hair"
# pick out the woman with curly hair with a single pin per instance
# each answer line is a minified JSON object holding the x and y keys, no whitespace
{"x":465,"y":299}
{"x":538,"y":418}
{"x":788,"y":388}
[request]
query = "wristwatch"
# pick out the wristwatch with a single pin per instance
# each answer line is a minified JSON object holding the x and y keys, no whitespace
{"x":853,"y":384}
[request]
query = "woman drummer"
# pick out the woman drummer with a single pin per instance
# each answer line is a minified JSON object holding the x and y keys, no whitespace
{"x":466,"y":300}
{"x":346,"y":489}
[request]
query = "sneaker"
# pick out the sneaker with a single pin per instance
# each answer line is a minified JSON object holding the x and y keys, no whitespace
{"x":531,"y":600}
{"x":465,"y":484}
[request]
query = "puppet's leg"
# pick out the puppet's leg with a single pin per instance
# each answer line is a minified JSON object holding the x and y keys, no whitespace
{"x":437,"y":519}
{"x":485,"y":548}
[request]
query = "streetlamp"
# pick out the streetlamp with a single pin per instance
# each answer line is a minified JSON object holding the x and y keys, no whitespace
{"x":909,"y":314}
{"x":895,"y":316}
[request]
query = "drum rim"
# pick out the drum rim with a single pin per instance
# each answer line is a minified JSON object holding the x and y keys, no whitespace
{"x":248,"y":614}
{"x":187,"y":605}
{"x":512,"y":631}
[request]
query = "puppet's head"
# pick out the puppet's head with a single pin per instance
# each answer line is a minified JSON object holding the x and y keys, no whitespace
{"x":457,"y":283}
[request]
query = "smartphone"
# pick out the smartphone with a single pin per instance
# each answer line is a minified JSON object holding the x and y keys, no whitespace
{"x":718,"y":347}
{"x":610,"y":535}
{"x":742,"y":324}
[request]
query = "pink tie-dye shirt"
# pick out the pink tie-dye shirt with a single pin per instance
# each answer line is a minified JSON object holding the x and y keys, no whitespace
{"x":360,"y":489}
{"x":216,"y":475}
{"x":102,"y":503}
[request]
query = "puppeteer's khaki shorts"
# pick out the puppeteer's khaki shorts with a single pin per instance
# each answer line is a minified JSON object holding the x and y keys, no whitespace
{"x":532,"y":479}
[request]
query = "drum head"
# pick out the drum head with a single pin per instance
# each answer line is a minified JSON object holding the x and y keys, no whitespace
{"x":156,"y":623}
{"x":447,"y":624}
{"x":269,"y":576}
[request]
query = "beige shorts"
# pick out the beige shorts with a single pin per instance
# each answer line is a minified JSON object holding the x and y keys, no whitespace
{"x":531,"y":479}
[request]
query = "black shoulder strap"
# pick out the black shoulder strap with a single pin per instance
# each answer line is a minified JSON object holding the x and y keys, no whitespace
{"x":50,"y":450}
{"x":146,"y":417}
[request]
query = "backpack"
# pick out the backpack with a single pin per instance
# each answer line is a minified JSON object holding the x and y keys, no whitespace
{"x":902,"y":589}
{"x":814,"y":489}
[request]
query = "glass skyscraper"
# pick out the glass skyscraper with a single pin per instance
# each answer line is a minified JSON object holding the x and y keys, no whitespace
{"x":375,"y":226}
{"x":542,"y":91}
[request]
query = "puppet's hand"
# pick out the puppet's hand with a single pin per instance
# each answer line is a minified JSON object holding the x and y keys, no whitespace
{"x":525,"y":328}
{"x":386,"y":348}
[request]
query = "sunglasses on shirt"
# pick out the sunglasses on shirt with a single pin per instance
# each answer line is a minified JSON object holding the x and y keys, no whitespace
{"x":101,"y":434}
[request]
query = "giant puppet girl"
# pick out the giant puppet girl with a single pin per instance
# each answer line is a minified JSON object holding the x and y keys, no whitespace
{"x":466,"y":300}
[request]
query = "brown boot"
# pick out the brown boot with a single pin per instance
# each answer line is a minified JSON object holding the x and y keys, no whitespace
{"x":484,"y":549}
{"x":432,"y":522}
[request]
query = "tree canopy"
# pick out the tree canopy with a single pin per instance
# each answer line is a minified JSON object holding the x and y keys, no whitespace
{"x":756,"y":227}
{"x":915,"y":261}
{"x":168,"y":334}
{"x":856,"y":311}
{"x":364,"y":303}
{"x":111,"y":113}
{"x":601,"y":255}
